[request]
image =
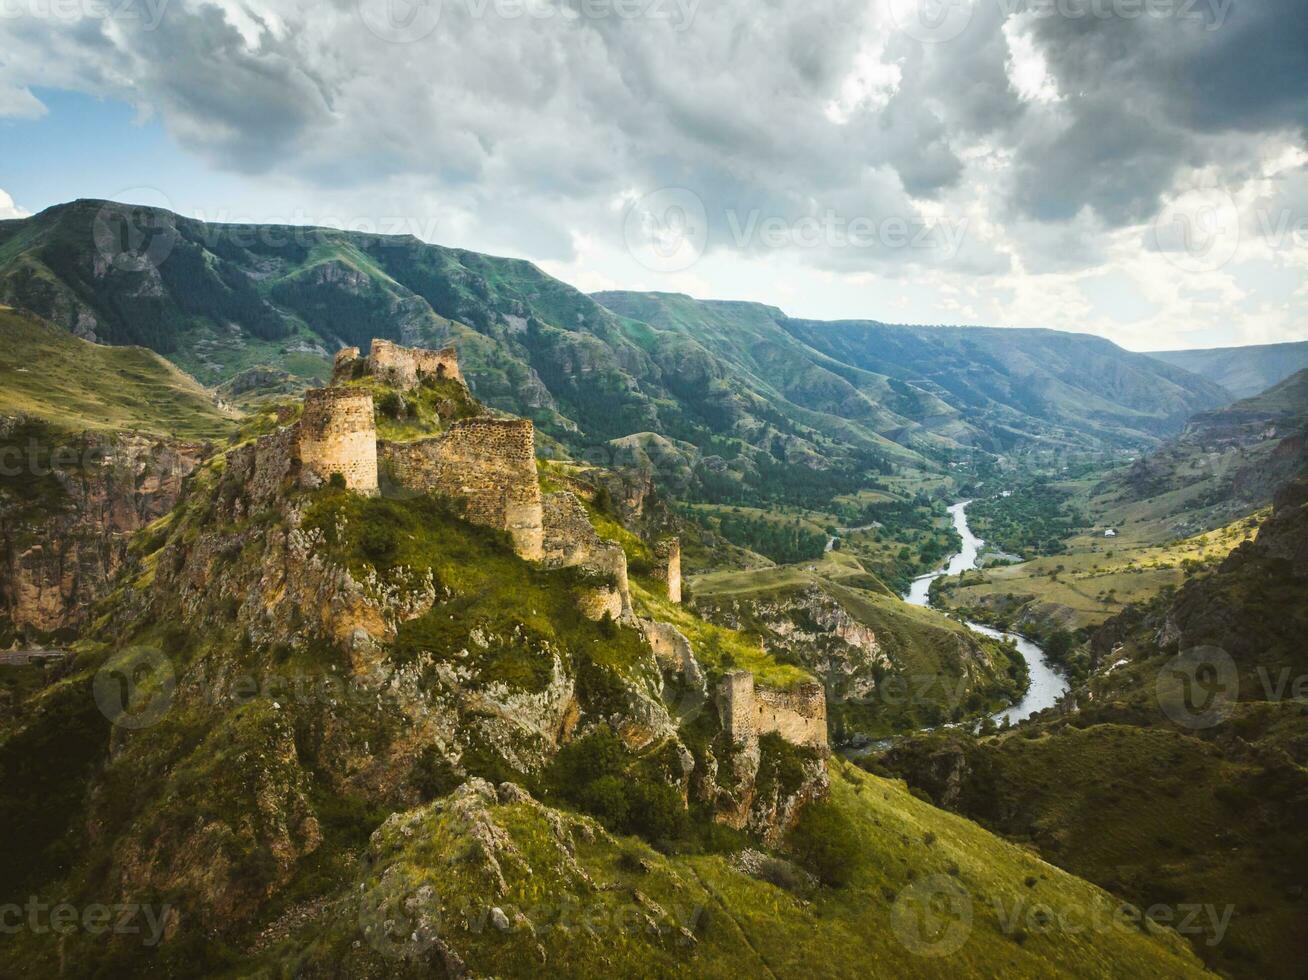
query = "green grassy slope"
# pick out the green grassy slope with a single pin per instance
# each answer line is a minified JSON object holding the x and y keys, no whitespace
{"x":1174,"y":779}
{"x":926,"y":669}
{"x":929,"y":895}
{"x":57,"y":378}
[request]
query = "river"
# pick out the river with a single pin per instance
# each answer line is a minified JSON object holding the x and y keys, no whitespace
{"x":1047,"y":685}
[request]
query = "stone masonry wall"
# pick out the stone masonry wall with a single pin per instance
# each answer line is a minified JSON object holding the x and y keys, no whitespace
{"x":798,"y":716}
{"x":403,"y":367}
{"x":667,"y":566}
{"x":570,"y":540}
{"x":491,"y":463}
{"x":338,"y":434}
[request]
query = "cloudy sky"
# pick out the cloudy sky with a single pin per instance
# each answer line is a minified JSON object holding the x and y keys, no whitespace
{"x":1132,"y":168}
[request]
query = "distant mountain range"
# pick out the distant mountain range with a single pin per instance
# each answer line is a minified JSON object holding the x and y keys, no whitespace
{"x":1243,"y":371}
{"x":726,"y":398}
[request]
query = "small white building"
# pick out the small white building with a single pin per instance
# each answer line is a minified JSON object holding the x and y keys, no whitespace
{"x":1110,"y":533}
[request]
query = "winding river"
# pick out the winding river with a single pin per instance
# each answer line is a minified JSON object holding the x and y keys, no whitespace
{"x":1047,"y":685}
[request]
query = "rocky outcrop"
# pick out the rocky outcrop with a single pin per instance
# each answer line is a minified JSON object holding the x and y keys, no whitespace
{"x":812,"y":628}
{"x":63,"y":541}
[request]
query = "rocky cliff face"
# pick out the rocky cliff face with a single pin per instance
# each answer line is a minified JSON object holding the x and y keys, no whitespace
{"x":67,"y":509}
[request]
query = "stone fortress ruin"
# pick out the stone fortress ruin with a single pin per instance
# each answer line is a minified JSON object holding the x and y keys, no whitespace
{"x":489,"y":463}
{"x":747,"y":711}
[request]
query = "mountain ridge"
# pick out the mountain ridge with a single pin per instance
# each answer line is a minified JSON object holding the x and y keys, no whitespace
{"x":223,"y":300}
{"x":1244,"y":371}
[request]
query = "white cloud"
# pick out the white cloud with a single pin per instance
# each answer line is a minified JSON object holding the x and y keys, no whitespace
{"x":1052,"y":144}
{"x":8,"y":209}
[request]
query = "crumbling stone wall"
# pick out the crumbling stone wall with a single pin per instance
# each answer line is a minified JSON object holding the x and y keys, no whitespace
{"x":667,"y":566}
{"x":571,"y":540}
{"x":798,"y":716}
{"x":672,"y":650}
{"x":403,"y":367}
{"x":338,"y":434}
{"x":491,"y":464}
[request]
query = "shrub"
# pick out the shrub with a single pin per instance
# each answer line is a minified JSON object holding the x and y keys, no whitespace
{"x":824,"y":843}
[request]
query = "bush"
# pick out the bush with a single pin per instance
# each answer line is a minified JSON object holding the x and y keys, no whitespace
{"x":594,"y":774}
{"x":655,"y":810}
{"x":824,"y":843}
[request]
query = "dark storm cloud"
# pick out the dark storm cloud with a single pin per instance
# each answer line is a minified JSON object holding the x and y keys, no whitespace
{"x":1146,"y":96}
{"x":733,"y":103}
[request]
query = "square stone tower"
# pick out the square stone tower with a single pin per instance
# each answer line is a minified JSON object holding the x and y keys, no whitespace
{"x":667,"y":566}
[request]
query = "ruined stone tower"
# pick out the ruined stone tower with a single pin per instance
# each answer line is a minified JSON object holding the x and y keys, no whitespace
{"x":667,"y":566}
{"x":798,"y":716}
{"x":337,"y":434}
{"x":403,"y":367}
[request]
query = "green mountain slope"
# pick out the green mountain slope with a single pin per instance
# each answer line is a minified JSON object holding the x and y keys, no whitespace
{"x":1176,"y":775}
{"x":1243,"y":371}
{"x":736,"y":399}
{"x":1025,"y":384}
{"x":48,"y":375}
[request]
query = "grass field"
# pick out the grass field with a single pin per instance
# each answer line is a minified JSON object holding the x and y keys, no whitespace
{"x":1094,"y":579}
{"x":49,"y":374}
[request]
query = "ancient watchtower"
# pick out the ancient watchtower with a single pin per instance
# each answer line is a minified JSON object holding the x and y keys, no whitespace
{"x":667,"y":566}
{"x":798,"y":716}
{"x":338,"y":434}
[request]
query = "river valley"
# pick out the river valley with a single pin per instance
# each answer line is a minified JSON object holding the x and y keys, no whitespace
{"x":1047,"y":685}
